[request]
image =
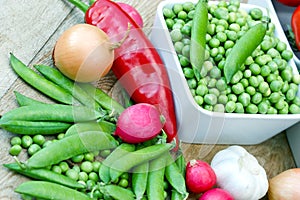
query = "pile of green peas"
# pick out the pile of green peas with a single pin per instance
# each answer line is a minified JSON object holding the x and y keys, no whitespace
{"x":264,"y":84}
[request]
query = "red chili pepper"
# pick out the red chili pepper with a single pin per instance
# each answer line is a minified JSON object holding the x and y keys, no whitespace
{"x":295,"y":23}
{"x":137,"y":64}
{"x":293,"y":3}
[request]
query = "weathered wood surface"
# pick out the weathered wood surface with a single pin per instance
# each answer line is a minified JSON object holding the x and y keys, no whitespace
{"x":29,"y":29}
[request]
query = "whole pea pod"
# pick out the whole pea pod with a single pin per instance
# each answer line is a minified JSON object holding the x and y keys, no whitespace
{"x":25,"y":101}
{"x":155,"y":182}
{"x":52,"y":112}
{"x":34,"y":127}
{"x":49,"y":190}
{"x":45,"y":175}
{"x":139,"y":179}
{"x":243,"y":48}
{"x":40,"y":83}
{"x":59,"y":79}
{"x":130,"y":160}
{"x":120,"y":151}
{"x":70,"y":146}
{"x":117,"y":192}
{"x":198,"y":37}
{"x":80,"y":127}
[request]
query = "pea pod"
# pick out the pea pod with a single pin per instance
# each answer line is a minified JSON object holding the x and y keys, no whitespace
{"x":120,"y":151}
{"x":45,"y":175}
{"x":139,"y":179}
{"x":117,"y":192}
{"x":48,"y":190}
{"x":34,"y":127}
{"x":177,"y":196}
{"x":80,"y":127}
{"x":40,"y":83}
{"x":104,"y":100}
{"x":175,"y":176}
{"x":52,"y":112}
{"x":70,"y":146}
{"x":180,"y":161}
{"x":242,"y":49}
{"x":58,"y":78}
{"x":130,"y":160}
{"x":198,"y":37}
{"x":155,"y":183}
{"x":25,"y":101}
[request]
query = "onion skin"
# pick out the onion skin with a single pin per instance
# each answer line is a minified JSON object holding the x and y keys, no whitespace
{"x":83,"y":53}
{"x":285,"y":186}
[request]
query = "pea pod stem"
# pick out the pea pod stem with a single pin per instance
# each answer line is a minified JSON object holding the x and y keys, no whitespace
{"x":25,"y":101}
{"x":70,"y":146}
{"x":49,"y":190}
{"x":198,"y":37}
{"x":242,"y":49}
{"x":40,"y":83}
{"x":45,"y":175}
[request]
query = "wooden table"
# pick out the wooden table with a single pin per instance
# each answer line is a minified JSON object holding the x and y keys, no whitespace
{"x":29,"y":29}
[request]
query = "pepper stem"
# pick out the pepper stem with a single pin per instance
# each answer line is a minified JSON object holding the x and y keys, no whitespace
{"x":79,"y":4}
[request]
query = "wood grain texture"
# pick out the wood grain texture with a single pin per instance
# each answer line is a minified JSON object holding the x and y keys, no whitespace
{"x":29,"y":29}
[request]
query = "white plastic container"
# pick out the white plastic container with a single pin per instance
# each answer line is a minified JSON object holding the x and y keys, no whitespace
{"x":197,"y":125}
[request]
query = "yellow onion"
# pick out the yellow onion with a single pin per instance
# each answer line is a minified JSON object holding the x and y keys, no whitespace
{"x":285,"y":186}
{"x":84,"y":53}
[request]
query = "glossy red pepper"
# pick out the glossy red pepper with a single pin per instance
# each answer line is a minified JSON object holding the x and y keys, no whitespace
{"x":137,"y":64}
{"x":295,"y":23}
{"x":293,"y":3}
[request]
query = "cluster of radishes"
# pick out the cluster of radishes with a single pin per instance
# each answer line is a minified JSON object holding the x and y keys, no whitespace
{"x":201,"y":178}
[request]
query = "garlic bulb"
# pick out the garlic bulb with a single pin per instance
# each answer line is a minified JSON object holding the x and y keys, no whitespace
{"x":240,"y":174}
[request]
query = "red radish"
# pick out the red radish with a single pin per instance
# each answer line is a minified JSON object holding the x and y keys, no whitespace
{"x":139,"y":123}
{"x":200,"y":177}
{"x":216,"y":194}
{"x":132,"y":12}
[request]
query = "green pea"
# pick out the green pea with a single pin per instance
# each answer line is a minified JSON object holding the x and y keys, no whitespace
{"x":15,"y":140}
{"x":186,"y":51}
{"x":56,"y":169}
{"x":15,"y":150}
{"x":294,"y":109}
{"x":26,"y":141}
{"x":256,"y":13}
{"x":186,"y":30}
{"x":199,"y":100}
{"x":188,"y":72}
{"x":188,"y":6}
{"x":231,"y":35}
{"x":178,"y":46}
{"x":287,"y":75}
{"x":250,"y":90}
{"x":244,"y":99}
{"x":287,"y":54}
{"x":263,"y":107}
{"x":256,"y":98}
{"x":184,"y":61}
{"x":215,"y":72}
{"x":265,"y":70}
{"x":221,"y":85}
{"x":170,"y":23}
{"x":168,"y":13}
{"x":281,"y":46}
{"x":239,"y":108}
{"x":230,"y":107}
{"x":228,"y":44}
{"x":201,"y":90}
{"x":78,"y":158}
{"x":296,"y":101}
{"x":177,"y":8}
{"x":64,"y":166}
{"x":192,"y":83}
{"x":123,"y":183}
{"x":276,"y":85}
{"x":219,"y":108}
{"x":83,"y":176}
{"x":272,"y":110}
{"x":86,"y":166}
{"x":263,"y":87}
{"x":222,"y":99}
{"x":296,"y":79}
{"x":232,"y":97}
{"x":255,"y":68}
{"x":210,"y":99}
{"x":212,"y":83}
{"x":290,"y":94}
{"x":252,"y":109}
{"x":33,"y":148}
{"x":39,"y":139}
{"x":176,"y":35}
{"x":280,"y":104}
{"x":275,"y":97}
{"x":96,"y":166}
{"x":273,"y":53}
{"x":238,"y":88}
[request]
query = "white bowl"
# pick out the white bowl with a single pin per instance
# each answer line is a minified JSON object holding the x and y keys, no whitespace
{"x":197,"y":125}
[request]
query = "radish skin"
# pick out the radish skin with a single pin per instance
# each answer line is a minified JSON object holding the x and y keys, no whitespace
{"x":216,"y":194}
{"x":200,"y":177}
{"x":139,"y":123}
